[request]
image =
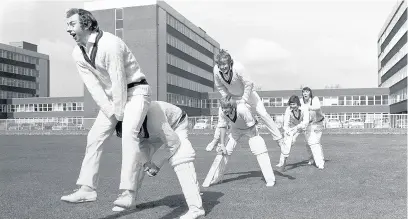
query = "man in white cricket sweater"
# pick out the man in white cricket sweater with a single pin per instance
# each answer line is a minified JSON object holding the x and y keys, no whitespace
{"x":295,"y":121}
{"x":231,"y":80}
{"x":112,"y":75}
{"x":314,"y":130}
{"x":167,"y":125}
{"x":242,"y":124}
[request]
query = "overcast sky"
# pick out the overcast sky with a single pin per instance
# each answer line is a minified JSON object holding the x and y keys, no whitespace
{"x":283,"y":44}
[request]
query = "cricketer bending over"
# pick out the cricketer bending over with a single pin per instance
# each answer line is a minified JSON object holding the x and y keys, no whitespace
{"x":295,"y":121}
{"x":242,"y":123}
{"x":116,"y":82}
{"x":167,"y":125}
{"x":313,"y":131}
{"x":232,"y":81}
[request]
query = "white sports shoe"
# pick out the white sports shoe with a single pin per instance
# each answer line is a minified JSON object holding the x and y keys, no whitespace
{"x":80,"y":196}
{"x":270,"y":184}
{"x":126,"y":200}
{"x":118,"y":209}
{"x":193,"y":214}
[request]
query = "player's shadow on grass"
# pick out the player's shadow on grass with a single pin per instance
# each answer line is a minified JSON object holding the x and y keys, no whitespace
{"x":301,"y":164}
{"x":176,"y":202}
{"x":249,"y":174}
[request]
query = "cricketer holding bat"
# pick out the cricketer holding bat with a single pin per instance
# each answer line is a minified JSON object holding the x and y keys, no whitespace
{"x":313,"y":131}
{"x":167,"y":124}
{"x":295,"y":122}
{"x":115,"y":81}
{"x":231,"y":80}
{"x":242,"y":124}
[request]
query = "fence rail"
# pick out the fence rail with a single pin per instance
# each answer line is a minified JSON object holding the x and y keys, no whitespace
{"x":395,"y":121}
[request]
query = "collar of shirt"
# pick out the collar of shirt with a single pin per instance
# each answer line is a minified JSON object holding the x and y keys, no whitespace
{"x":91,"y":42}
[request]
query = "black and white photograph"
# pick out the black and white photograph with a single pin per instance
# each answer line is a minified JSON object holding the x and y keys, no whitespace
{"x":218,"y":109}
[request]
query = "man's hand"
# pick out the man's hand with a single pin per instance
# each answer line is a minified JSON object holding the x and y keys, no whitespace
{"x":291,"y":131}
{"x":151,"y":169}
{"x":221,"y":149}
{"x":118,"y":129}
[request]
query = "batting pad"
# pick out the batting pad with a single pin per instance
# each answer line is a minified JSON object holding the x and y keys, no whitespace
{"x":217,"y":169}
{"x":266,"y":167}
{"x":257,"y":145}
{"x":317,"y":154}
{"x":187,"y":177}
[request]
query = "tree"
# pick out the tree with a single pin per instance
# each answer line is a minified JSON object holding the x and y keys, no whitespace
{"x":332,"y":86}
{"x":258,"y":87}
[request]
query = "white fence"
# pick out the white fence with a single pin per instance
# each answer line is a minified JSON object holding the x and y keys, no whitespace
{"x":399,"y":121}
{"x":372,"y":121}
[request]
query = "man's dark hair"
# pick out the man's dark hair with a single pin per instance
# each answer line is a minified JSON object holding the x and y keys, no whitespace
{"x":86,"y":19}
{"x":294,"y":99}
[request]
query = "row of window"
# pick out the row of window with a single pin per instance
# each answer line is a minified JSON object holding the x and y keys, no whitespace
{"x":62,"y":120}
{"x":18,"y":83}
{"x":324,"y":101}
{"x":12,"y":94}
{"x":178,"y":99}
{"x":188,"y":32}
{"x":185,"y":83}
{"x":42,"y":107}
{"x":394,"y":40}
{"x":398,"y":96}
{"x":181,"y":64}
{"x":396,"y":58}
{"x":119,"y":22}
{"x":18,"y":57}
{"x":18,"y":70}
{"x":173,"y":41}
{"x":392,"y":23}
{"x":401,"y":74}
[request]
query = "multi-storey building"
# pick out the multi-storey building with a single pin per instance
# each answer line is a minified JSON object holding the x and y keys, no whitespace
{"x":176,"y":55}
{"x":392,"y":57}
{"x":23,"y":71}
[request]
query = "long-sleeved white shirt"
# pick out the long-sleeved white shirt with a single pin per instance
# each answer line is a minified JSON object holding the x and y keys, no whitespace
{"x":115,"y":67}
{"x":239,"y":85}
{"x":241,"y":119}
{"x":162,"y":120}
{"x":291,"y":121}
{"x":315,"y":111}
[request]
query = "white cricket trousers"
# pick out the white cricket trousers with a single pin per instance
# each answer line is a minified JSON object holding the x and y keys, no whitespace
{"x":256,"y":103}
{"x":103,"y":127}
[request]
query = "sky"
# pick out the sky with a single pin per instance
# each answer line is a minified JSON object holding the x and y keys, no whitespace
{"x":282,"y":44}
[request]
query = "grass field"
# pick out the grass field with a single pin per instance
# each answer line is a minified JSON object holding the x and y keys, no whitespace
{"x":364,"y":177}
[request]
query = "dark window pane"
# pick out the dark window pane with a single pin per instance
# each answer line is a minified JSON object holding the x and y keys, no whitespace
{"x":119,"y":13}
{"x":119,"y":24}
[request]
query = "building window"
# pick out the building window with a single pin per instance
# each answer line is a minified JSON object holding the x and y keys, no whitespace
{"x":119,"y":22}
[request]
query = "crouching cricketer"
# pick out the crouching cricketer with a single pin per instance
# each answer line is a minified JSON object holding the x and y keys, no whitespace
{"x":242,"y":123}
{"x":295,"y":122}
{"x":167,"y":124}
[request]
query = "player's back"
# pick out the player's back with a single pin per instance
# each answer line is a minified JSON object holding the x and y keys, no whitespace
{"x":171,"y":111}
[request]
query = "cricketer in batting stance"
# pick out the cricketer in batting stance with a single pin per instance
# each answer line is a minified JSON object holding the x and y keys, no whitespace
{"x":116,"y":82}
{"x":295,"y":121}
{"x":167,"y":125}
{"x":242,"y":123}
{"x":233,"y":81}
{"x":313,"y":132}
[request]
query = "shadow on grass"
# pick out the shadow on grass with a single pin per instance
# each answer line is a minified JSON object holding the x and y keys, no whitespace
{"x":301,"y":164}
{"x":250,"y":174}
{"x":176,"y":202}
